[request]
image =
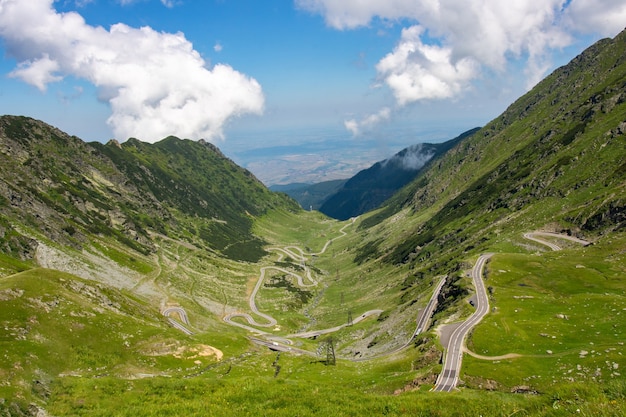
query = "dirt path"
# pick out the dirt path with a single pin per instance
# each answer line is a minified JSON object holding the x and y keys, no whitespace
{"x":492,"y":358}
{"x":536,"y":237}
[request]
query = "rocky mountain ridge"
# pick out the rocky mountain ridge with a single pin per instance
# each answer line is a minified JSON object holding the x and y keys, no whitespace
{"x":67,"y":189}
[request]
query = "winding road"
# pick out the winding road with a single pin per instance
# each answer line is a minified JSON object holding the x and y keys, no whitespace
{"x":314,"y":333}
{"x":422,"y":321}
{"x":298,"y":255}
{"x":449,"y":375}
{"x":536,"y":237}
{"x":183,"y":317}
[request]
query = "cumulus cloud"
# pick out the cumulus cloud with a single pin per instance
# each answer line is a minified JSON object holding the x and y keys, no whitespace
{"x":155,"y":83}
{"x":447,"y":44}
{"x":349,"y":14}
{"x":357,"y":127}
{"x":416,"y":71}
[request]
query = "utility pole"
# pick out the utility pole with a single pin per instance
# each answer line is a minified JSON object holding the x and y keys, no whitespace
{"x":328,"y":345}
{"x":350,"y":318}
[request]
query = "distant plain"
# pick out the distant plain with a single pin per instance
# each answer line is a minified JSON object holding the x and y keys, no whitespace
{"x":324,"y":154}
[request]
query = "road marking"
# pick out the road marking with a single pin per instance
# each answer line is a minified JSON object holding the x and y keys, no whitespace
{"x":449,"y":376}
{"x":454,"y":352}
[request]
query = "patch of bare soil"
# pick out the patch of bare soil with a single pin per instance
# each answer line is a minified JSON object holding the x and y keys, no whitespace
{"x":178,"y":350}
{"x":428,"y":379}
{"x":197,"y":351}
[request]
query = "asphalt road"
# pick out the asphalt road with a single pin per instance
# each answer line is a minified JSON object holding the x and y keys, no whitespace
{"x":426,"y":314}
{"x":314,"y":333}
{"x":421,"y":324}
{"x":299,"y":255}
{"x":280,"y":347}
{"x":183,"y":317}
{"x":449,"y":376}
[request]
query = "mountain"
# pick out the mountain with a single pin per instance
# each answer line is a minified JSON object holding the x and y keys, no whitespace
{"x":554,"y":159}
{"x":310,"y":196}
{"x":68,"y":190}
{"x":370,"y":188}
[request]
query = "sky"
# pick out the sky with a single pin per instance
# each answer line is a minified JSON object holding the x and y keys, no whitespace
{"x":265,"y":73}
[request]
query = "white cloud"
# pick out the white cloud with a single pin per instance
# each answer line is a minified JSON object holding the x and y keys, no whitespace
{"x":39,"y":72}
{"x":218,"y":47}
{"x":357,"y":127}
{"x":412,"y":158}
{"x":415,"y":71}
{"x":169,"y":3}
{"x":606,"y":17}
{"x":155,"y":83}
{"x":352,"y":126}
{"x":447,"y":43}
{"x":349,"y":14}
{"x":83,"y":3}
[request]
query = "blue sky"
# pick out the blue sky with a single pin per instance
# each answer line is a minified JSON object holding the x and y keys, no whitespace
{"x":227,"y":69}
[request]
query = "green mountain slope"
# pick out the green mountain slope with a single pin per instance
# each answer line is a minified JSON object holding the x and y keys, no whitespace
{"x":196,"y":180}
{"x":371,"y":187}
{"x":554,"y":159}
{"x":310,"y":196}
{"x":68,"y":190}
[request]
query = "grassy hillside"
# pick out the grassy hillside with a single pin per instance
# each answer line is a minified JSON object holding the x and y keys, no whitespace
{"x":196,"y":180}
{"x":310,"y":196}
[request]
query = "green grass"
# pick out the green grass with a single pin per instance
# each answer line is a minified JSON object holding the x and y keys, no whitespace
{"x":302,"y":387}
{"x":57,"y":324}
{"x":562,"y":311}
{"x":249,"y":387}
{"x":9,"y":265}
{"x":244,"y":383}
{"x":308,"y":229}
{"x":123,"y":258}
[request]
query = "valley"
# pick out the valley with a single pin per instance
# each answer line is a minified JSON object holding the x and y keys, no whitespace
{"x":163,"y":279}
{"x":390,"y":361}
